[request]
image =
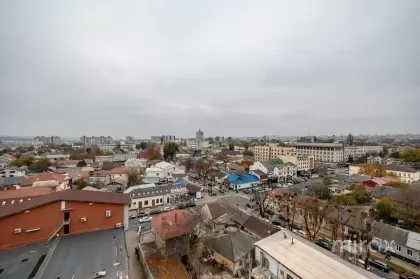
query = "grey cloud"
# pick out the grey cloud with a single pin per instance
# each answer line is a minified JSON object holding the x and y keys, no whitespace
{"x":229,"y":68}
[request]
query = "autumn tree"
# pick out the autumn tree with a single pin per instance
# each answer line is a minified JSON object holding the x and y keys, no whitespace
{"x":263,"y":200}
{"x":154,"y":153}
{"x":22,"y":161}
{"x":169,"y":150}
{"x":81,"y":183}
{"x":287,"y":206}
{"x":133,"y":177}
{"x":245,"y":144}
{"x":248,"y":153}
{"x":314,"y":214}
{"x":366,"y":169}
{"x":141,"y":146}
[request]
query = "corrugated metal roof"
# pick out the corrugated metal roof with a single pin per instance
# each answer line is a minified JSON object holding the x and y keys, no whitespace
{"x":247,"y":178}
{"x":307,"y":260}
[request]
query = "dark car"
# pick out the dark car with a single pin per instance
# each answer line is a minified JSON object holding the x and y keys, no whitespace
{"x":190,"y":204}
{"x":271,"y":212}
{"x":248,"y":205}
{"x":141,"y":213}
{"x":277,"y":223}
{"x":155,"y":211}
{"x":380,"y":265}
{"x":324,"y":243}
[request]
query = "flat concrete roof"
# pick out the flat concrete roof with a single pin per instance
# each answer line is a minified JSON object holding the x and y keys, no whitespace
{"x":308,"y":261}
{"x":75,"y":255}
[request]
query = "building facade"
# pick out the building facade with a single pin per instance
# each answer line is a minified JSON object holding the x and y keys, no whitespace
{"x":359,"y":151}
{"x":405,"y":174}
{"x":322,"y":152}
{"x":272,"y":151}
{"x":12,"y":172}
{"x":69,"y":212}
{"x":304,"y":163}
{"x":93,"y":141}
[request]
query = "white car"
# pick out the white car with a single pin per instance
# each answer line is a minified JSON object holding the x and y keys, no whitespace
{"x":167,"y":208}
{"x":300,"y":233}
{"x":99,"y":274}
{"x":145,"y":219}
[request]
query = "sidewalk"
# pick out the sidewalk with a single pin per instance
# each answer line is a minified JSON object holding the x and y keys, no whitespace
{"x":135,"y":269}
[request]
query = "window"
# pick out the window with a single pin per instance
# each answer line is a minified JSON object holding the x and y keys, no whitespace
{"x":409,"y":252}
{"x":12,"y":202}
{"x":289,"y":277}
{"x":398,"y":248}
{"x":108,"y":213}
{"x":21,"y":201}
{"x":161,"y":199}
{"x":157,"y":174}
{"x":146,"y":202}
{"x":3,"y":203}
{"x":134,"y":203}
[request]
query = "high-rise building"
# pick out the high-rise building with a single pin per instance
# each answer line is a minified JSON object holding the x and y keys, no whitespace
{"x":48,"y":140}
{"x":93,"y":141}
{"x":199,"y":136}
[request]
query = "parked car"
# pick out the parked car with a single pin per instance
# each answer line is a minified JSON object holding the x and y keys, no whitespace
{"x":156,"y":211}
{"x":99,"y":274}
{"x":300,"y":233}
{"x":380,"y":265}
{"x":406,"y":276}
{"x":246,"y":191}
{"x":324,"y":243}
{"x":145,"y":219}
{"x":277,"y":223}
{"x":167,"y":208}
{"x":141,"y":213}
{"x":181,"y":206}
{"x":131,"y":216}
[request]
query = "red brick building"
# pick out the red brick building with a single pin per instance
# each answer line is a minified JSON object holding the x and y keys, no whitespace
{"x":61,"y":213}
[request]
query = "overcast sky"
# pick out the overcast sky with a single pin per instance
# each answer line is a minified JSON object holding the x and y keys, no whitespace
{"x":232,"y":68}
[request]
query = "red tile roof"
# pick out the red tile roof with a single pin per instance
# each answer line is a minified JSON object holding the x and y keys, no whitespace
{"x":173,"y":224}
{"x":67,"y":195}
{"x":29,"y":181}
{"x":143,"y":155}
{"x":24,"y":192}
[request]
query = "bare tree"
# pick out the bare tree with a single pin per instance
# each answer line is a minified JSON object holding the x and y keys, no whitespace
{"x":287,"y":206}
{"x":263,"y":200}
{"x":203,"y":168}
{"x":189,"y":164}
{"x":314,"y":213}
{"x":409,"y":204}
{"x":338,"y":219}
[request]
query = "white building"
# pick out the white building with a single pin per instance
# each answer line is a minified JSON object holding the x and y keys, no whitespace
{"x":276,"y":168}
{"x":156,"y":196}
{"x":360,"y":151}
{"x":112,"y":146}
{"x":285,"y":255}
{"x":405,"y":174}
{"x":12,"y":172}
{"x":322,"y":152}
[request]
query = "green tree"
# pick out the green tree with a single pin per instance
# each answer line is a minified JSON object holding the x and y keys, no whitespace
{"x":141,"y":146}
{"x":133,"y":178}
{"x":395,"y":154}
{"x":231,"y":146}
{"x":81,"y":183}
{"x":169,"y":150}
{"x":248,"y":153}
{"x":82,"y":163}
{"x":40,"y":165}
{"x":245,"y":144}
{"x":384,"y":208}
{"x":410,"y":154}
{"x":350,"y":160}
{"x":22,"y":161}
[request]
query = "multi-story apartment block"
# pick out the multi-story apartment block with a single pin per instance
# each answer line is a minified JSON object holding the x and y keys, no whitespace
{"x":322,"y":152}
{"x":272,"y":151}
{"x":360,"y":151}
{"x":48,"y":140}
{"x":129,"y":139}
{"x":93,"y":141}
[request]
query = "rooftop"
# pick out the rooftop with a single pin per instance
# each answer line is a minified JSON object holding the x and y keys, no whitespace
{"x":67,"y":195}
{"x":319,"y":144}
{"x":24,"y":192}
{"x":247,"y":178}
{"x":234,"y":246}
{"x":173,"y":224}
{"x":29,"y":181}
{"x":307,"y":260}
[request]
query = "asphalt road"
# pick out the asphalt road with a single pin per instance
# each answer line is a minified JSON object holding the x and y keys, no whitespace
{"x":380,"y":273}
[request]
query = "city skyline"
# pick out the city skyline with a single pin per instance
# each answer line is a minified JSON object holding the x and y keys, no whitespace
{"x":238,"y":68}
